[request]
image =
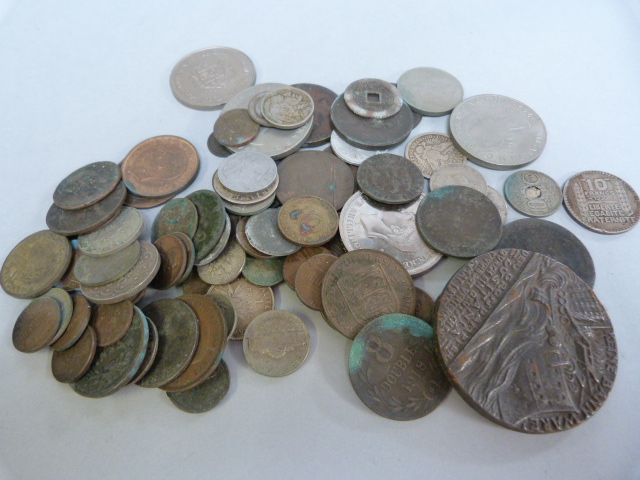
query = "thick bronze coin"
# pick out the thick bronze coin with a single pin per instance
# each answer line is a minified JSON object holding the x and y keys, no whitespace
{"x":315,"y":173}
{"x":323,"y":98}
{"x":235,"y":128}
{"x":77,"y":325}
{"x":173,"y":262}
{"x":111,"y":322}
{"x":206,"y":395}
{"x":115,"y":236}
{"x":241,"y":237}
{"x":178,"y":334}
{"x":139,"y":202}
{"x":160,"y":166}
{"x":225,"y":304}
{"x":293,"y":262}
{"x":362,"y":285}
{"x":459,"y":221}
{"x":391,"y":179}
{"x":211,"y":221}
{"x":308,"y":221}
{"x":178,"y":215}
{"x":87,"y":185}
{"x":89,"y":219}
{"x":425,"y":307}
{"x":95,"y":271}
{"x":71,"y":364}
{"x":211,"y":344}
{"x":35,"y":265}
{"x":548,"y":238}
{"x":115,"y":365}
{"x":150,"y":354}
{"x":265,"y":272}
{"x":37,"y":325}
{"x":537,"y":354}
{"x":394,"y":369}
{"x":308,"y":281}
{"x":216,"y":148}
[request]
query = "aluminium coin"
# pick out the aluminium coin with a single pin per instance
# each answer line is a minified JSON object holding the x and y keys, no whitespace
{"x":352,"y":155}
{"x":71,"y":364}
{"x":462,"y":175}
{"x":265,"y":236}
{"x":430,"y":91}
{"x":391,"y":179}
{"x":264,"y":272}
{"x":287,"y":108}
{"x":205,"y":396}
{"x":112,"y":322}
{"x":430,"y":151}
{"x":247,"y":172}
{"x":373,"y":98}
{"x":211,"y":221}
{"x":178,"y":215}
{"x":87,"y":185}
{"x":115,"y":236}
{"x":235,"y":128}
{"x":37,"y":325}
{"x":532,"y":193}
{"x":95,"y":271}
{"x":323,"y":98}
{"x":77,"y":325}
{"x":309,"y":277}
{"x":308,"y":221}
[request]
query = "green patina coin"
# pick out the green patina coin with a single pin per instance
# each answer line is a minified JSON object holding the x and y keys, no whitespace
{"x":178,"y":215}
{"x":211,"y":221}
{"x":206,"y":395}
{"x":264,"y":272}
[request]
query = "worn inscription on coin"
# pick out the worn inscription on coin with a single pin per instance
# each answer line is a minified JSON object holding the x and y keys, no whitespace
{"x":532,"y":193}
{"x":287,"y":108}
{"x":431,"y":151}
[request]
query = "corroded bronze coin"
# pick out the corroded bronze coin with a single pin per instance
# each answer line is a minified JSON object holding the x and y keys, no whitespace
{"x":178,"y":215}
{"x":373,"y":98}
{"x":94,"y":271}
{"x":459,"y":221}
{"x":235,"y":128}
{"x":264,"y":235}
{"x":206,"y":395}
{"x":293,"y":262}
{"x":226,"y":268}
{"x":111,"y":322}
{"x":150,"y":354}
{"x":211,"y":221}
{"x":532,"y":193}
{"x":69,"y":282}
{"x":87,"y":185}
{"x":389,"y":178}
{"x":216,"y":148}
{"x":394,"y":369}
{"x":178,"y":335}
{"x":601,"y":202}
{"x":173,"y":262}
{"x":71,"y":364}
{"x":114,"y":366}
{"x":35,"y":265}
{"x":425,"y":307}
{"x":89,"y":219}
{"x":37,"y":325}
{"x":249,"y":300}
{"x":548,"y":238}
{"x":308,"y":221}
{"x":287,"y":108}
{"x":308,"y":281}
{"x":537,"y":355}
{"x":220,"y":246}
{"x":323,"y":98}
{"x":64,"y":299}
{"x":363,"y":285}
{"x":265,"y":272}
{"x":160,"y":166}
{"x":115,"y":236}
{"x":139,"y":202}
{"x":225,"y":304}
{"x":77,"y":325}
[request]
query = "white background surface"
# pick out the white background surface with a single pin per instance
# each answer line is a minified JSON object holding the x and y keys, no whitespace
{"x":86,"y":81}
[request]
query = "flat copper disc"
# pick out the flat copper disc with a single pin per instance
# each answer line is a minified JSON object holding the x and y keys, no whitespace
{"x":111,"y":322}
{"x":173,"y":262}
{"x":77,"y":325}
{"x":37,"y":325}
{"x":71,"y":364}
{"x":87,"y":185}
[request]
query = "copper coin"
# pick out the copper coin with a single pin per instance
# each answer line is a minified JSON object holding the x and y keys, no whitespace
{"x":211,"y":344}
{"x":86,"y":220}
{"x":211,"y":221}
{"x":160,"y":166}
{"x":265,"y":272}
{"x":235,"y":128}
{"x":77,"y":325}
{"x":35,"y":265}
{"x":537,"y":354}
{"x":69,"y":282}
{"x":293,"y":262}
{"x":178,"y":215}
{"x":216,"y":148}
{"x":425,"y":307}
{"x":111,"y":322}
{"x":315,"y":173}
{"x":64,"y":299}
{"x":249,"y":300}
{"x":71,"y":364}
{"x":37,"y":325}
{"x":139,"y":202}
{"x":194,"y":284}
{"x":173,"y":262}
{"x":241,"y":237}
{"x":323,"y":98}
{"x":365,"y":284}
{"x":150,"y":354}
{"x":391,"y":179}
{"x":191,"y":255}
{"x":205,"y":396}
{"x":87,"y":185}
{"x":308,"y":281}
{"x":308,"y":221}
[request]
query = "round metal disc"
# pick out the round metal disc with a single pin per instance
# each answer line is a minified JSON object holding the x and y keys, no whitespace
{"x":87,"y":185}
{"x":391,"y":179}
{"x":206,"y":395}
{"x":430,"y":91}
{"x":532,"y":193}
{"x":373,"y":98}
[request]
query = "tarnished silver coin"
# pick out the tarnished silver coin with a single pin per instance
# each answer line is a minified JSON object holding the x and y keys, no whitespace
{"x":499,"y":202}
{"x":365,"y":223}
{"x":350,"y":154}
{"x":225,"y":304}
{"x":65,"y":301}
{"x":264,"y":234}
{"x":226,"y":268}
{"x":247,"y":172}
{"x":394,"y":370}
{"x":95,"y":271}
{"x":220,"y":246}
{"x":276,"y":343}
{"x":430,"y":91}
{"x":532,"y":193}
{"x":255,"y":109}
{"x":210,"y":77}
{"x":115,"y":365}
{"x":536,"y":355}
{"x":430,"y":151}
{"x":206,"y":395}
{"x":373,"y":98}
{"x":462,"y":175}
{"x":117,"y":235}
{"x":390,"y":178}
{"x":497,"y":132}
{"x":287,"y":108}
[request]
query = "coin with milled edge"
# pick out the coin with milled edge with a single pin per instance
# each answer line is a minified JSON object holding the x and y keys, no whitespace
{"x":323,"y":98}
{"x":293,"y":262}
{"x":211,"y":221}
{"x":235,"y":128}
{"x":226,"y":268}
{"x":111,"y":322}
{"x":210,"y":77}
{"x":462,"y":175}
{"x":601,"y":202}
{"x":499,"y":202}
{"x":247,"y":172}
{"x":64,"y":299}
{"x":205,"y":396}
{"x":87,"y":185}
{"x":264,"y":234}
{"x":276,"y":343}
{"x":37,"y":325}
{"x":150,"y":354}
{"x":78,"y":324}
{"x":430,"y":91}
{"x":308,"y":221}
{"x":430,"y":151}
{"x":71,"y":364}
{"x":173,"y":262}
{"x":373,"y":98}
{"x":350,"y":154}
{"x":95,"y":271}
{"x":532,"y":193}
{"x":425,"y":307}
{"x":390,"y":178}
{"x":255,"y":109}
{"x":287,"y":108}
{"x":114,"y":237}
{"x":394,"y":369}
{"x":265,"y":272}
{"x":178,"y":215}
{"x":220,"y":246}
{"x":225,"y":304}
{"x":309,"y":277}
{"x":537,"y":355}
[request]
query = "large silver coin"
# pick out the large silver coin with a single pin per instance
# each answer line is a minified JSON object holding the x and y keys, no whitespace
{"x":350,"y":154}
{"x":461,"y":175}
{"x":430,"y":91}
{"x":430,"y":151}
{"x":532,"y":193}
{"x":117,"y":235}
{"x":497,"y":132}
{"x":247,"y":172}
{"x":210,"y":77}
{"x":365,"y":223}
{"x":275,"y":142}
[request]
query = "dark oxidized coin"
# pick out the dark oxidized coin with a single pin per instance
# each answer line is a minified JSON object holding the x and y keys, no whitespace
{"x":211,"y":221}
{"x":459,"y":221}
{"x":139,"y":202}
{"x":553,"y":240}
{"x":77,"y":325}
{"x":71,"y":364}
{"x":206,"y":395}
{"x":323,"y":98}
{"x":216,"y":148}
{"x":37,"y":325}
{"x":150,"y":354}
{"x":111,"y":322}
{"x":173,"y":262}
{"x":390,"y":179}
{"x":536,"y":355}
{"x":235,"y":128}
{"x":293,"y":262}
{"x":178,"y":215}
{"x":394,"y":369}
{"x":194,"y":284}
{"x":87,"y":185}
{"x":425,"y":307}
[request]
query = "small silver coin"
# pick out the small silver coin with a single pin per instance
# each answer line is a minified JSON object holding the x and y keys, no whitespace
{"x":287,"y":108}
{"x":247,"y":172}
{"x":532,"y":193}
{"x":264,"y":234}
{"x":430,"y":151}
{"x":350,"y":154}
{"x":243,"y":198}
{"x":373,"y":98}
{"x":205,"y":396}
{"x":430,"y":91}
{"x":462,"y":175}
{"x":95,"y":271}
{"x":252,"y":209}
{"x":117,"y":235}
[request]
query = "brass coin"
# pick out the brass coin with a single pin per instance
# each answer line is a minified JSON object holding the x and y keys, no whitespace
{"x":211,"y":344}
{"x":226,"y":268}
{"x":64,"y":299}
{"x":211,"y":221}
{"x":111,"y":322}
{"x":225,"y":304}
{"x":425,"y":307}
{"x":87,"y":185}
{"x":160,"y":166}
{"x":191,"y":255}
{"x":77,"y":325}
{"x":293,"y":262}
{"x":241,"y":237}
{"x":115,"y":236}
{"x":308,"y":281}
{"x":139,"y":202}
{"x":150,"y":354}
{"x":194,"y":284}
{"x":249,"y":300}
{"x":71,"y":364}
{"x":178,"y":215}
{"x":264,"y":272}
{"x":35,"y":265}
{"x":206,"y":395}
{"x":235,"y":128}
{"x":37,"y":325}
{"x":173,"y":262}
{"x":308,"y":221}
{"x":95,"y":271}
